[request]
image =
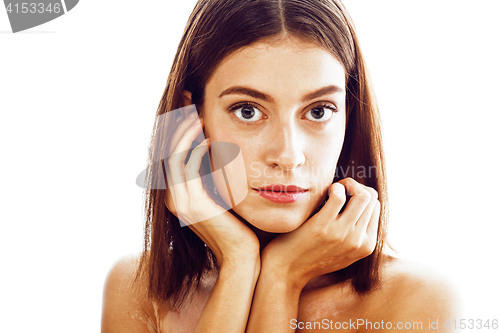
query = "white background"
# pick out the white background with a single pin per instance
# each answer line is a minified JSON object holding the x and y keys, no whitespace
{"x":78,"y":97}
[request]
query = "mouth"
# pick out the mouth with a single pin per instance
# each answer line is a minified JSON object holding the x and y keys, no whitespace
{"x":282,"y":193}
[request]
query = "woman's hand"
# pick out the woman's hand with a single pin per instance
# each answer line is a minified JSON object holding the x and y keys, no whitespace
{"x":229,"y":239}
{"x":328,"y":241}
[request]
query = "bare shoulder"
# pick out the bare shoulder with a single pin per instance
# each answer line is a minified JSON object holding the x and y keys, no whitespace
{"x":125,"y":304}
{"x":413,"y":291}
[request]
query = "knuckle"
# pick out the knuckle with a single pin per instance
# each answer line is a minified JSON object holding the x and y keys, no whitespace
{"x":367,"y":248}
{"x":337,"y":238}
{"x":353,"y":246}
{"x":349,"y":182}
{"x":319,"y":232}
{"x":373,"y":192}
{"x":329,"y":235}
{"x":365,"y":197}
{"x":337,"y":196}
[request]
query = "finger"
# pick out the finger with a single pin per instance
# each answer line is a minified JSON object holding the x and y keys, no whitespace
{"x":372,"y":227}
{"x":364,"y":219}
{"x":175,"y":173}
{"x":335,"y":201}
{"x":197,"y":194}
{"x":358,"y":202}
{"x":191,"y":171}
{"x":181,"y":129}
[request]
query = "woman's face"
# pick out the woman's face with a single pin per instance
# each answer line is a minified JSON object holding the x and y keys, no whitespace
{"x":283,"y":103}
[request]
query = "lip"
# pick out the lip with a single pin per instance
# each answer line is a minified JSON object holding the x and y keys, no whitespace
{"x":282,"y":193}
{"x":282,"y":188}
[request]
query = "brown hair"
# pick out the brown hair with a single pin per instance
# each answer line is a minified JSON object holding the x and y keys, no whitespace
{"x":174,"y":258}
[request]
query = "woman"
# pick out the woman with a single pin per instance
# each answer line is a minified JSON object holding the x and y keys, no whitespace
{"x":302,"y":248}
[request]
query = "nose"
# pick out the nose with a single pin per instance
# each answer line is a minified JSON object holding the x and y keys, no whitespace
{"x":285,"y":147}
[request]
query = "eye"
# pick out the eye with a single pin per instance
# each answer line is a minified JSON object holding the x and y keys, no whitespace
{"x":321,"y":113}
{"x":247,"y":112}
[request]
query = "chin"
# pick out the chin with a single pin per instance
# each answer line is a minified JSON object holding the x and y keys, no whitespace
{"x":273,"y":221}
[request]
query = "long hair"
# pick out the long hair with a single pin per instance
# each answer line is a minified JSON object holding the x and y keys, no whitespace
{"x":174,"y":259}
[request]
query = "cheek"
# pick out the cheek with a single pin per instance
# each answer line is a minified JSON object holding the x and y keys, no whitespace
{"x":323,"y":161}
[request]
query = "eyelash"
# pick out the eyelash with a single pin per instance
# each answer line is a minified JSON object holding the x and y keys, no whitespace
{"x":323,"y":105}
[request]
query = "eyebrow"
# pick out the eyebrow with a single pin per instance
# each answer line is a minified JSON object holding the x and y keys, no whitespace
{"x":239,"y":90}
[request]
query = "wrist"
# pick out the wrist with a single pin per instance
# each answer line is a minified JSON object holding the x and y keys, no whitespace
{"x":241,"y":267}
{"x":284,"y":274}
{"x":273,"y":280}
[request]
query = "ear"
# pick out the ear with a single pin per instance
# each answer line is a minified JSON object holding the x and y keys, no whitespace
{"x":187,"y":98}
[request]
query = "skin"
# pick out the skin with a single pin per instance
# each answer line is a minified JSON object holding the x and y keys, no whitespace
{"x":270,"y":270}
{"x":282,"y":143}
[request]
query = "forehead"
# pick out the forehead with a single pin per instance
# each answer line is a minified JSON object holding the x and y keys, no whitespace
{"x":270,"y":65}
